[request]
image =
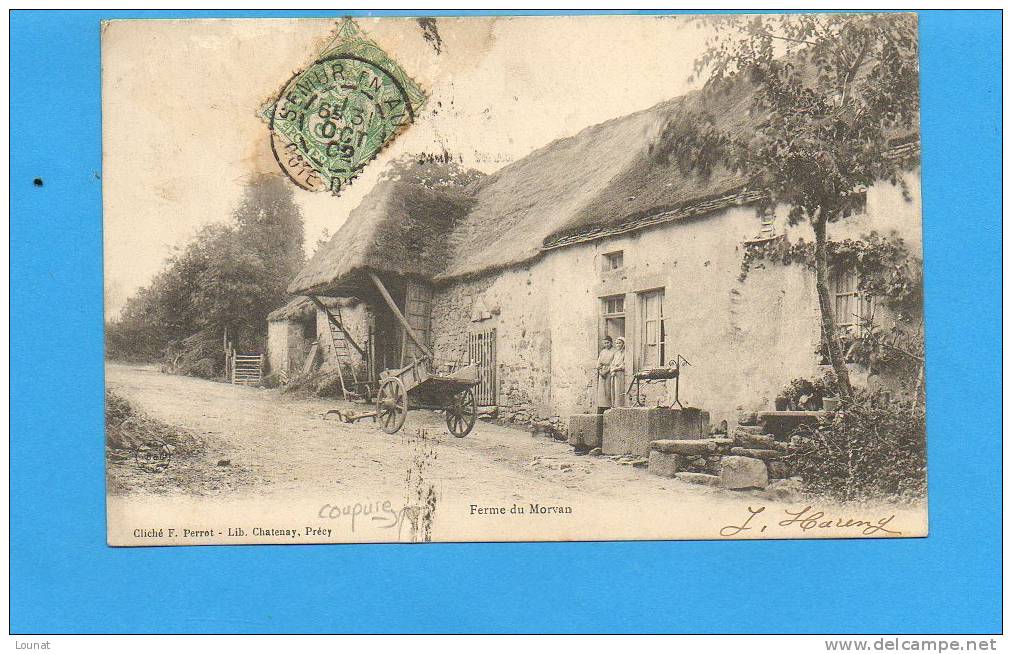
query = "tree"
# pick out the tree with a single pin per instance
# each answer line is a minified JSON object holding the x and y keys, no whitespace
{"x":830,"y":94}
{"x":228,"y":278}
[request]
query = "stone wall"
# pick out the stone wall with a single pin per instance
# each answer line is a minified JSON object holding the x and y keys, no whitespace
{"x":506,"y":302}
{"x":357,"y":319}
{"x":746,"y":458}
{"x":284,"y":346}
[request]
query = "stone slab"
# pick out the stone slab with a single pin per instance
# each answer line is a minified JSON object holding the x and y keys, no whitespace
{"x":686,"y":447}
{"x":759,"y":441}
{"x":663,"y":464}
{"x":585,"y":430}
{"x":629,"y":430}
{"x":698,"y":478}
{"x":740,"y":472}
{"x":756,"y":453}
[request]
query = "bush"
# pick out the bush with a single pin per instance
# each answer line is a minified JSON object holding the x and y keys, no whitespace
{"x":807,"y":395}
{"x":872,"y":448}
{"x":199,"y":355}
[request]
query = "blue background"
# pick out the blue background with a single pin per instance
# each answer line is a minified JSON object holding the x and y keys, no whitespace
{"x":65,"y":579}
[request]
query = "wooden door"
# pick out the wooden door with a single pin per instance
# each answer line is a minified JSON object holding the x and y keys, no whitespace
{"x":418,"y":312}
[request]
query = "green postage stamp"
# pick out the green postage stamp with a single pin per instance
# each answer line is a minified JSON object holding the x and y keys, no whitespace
{"x":332,"y":118}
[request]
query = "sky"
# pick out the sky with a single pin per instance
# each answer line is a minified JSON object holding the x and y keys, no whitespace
{"x":182,"y":134}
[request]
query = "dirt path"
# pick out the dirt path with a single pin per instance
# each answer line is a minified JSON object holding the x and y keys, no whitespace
{"x":275,"y":443}
{"x":271,"y":458}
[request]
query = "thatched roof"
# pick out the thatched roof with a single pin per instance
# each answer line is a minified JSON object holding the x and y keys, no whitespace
{"x":399,"y":228}
{"x":603,"y":176}
{"x":603,"y":181}
{"x":300,"y":308}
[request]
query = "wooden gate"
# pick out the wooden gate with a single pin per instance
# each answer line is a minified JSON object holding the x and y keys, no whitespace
{"x":481,"y":350}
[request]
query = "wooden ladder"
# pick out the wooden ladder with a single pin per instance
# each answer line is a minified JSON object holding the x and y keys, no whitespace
{"x":340,"y":340}
{"x":247,"y":369}
{"x":768,"y":226}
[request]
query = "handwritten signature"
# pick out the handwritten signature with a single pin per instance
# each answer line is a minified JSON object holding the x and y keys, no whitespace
{"x":807,"y":519}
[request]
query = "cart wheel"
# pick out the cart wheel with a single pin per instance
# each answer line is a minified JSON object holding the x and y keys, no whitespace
{"x":462,"y":414}
{"x":391,"y":405}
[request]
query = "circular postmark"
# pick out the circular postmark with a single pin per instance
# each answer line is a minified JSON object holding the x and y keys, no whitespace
{"x":332,"y":118}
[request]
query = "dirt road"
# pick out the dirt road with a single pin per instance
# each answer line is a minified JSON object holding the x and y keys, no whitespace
{"x":275,"y":443}
{"x":267,"y":451}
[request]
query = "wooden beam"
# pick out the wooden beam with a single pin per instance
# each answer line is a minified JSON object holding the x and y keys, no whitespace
{"x":331,"y":318}
{"x":397,"y":314}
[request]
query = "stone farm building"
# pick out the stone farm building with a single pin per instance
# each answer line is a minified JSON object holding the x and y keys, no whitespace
{"x":526,"y":269}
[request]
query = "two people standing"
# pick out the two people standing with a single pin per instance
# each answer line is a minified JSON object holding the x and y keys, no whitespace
{"x":611,"y":374}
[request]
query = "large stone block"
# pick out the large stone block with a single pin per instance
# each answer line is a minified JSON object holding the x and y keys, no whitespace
{"x":585,"y":430}
{"x":760,"y":441}
{"x":664,"y":464}
{"x":687,"y":447}
{"x":738,"y":472}
{"x":629,"y":430}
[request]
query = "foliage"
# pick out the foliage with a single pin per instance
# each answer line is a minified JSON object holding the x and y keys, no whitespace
{"x":872,"y":448}
{"x":884,"y":266}
{"x":807,"y":395}
{"x":829,"y":94}
{"x":433,"y":171}
{"x":229,"y":277}
{"x":887,"y":271}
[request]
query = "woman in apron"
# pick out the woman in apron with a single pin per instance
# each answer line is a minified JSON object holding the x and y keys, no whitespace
{"x":616,"y":373}
{"x":603,"y":395}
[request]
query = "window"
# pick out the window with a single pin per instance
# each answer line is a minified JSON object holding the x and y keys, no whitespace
{"x":614,"y":306}
{"x":652,"y":336}
{"x":852,"y":307}
{"x":613,"y":260}
{"x":613,"y":309}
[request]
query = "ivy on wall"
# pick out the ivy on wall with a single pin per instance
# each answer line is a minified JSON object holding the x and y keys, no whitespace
{"x":887,"y":271}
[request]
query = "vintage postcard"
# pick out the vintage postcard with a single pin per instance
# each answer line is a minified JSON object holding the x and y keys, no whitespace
{"x":513,"y":278}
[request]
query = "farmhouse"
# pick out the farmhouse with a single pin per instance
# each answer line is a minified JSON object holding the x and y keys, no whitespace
{"x":523,"y":271}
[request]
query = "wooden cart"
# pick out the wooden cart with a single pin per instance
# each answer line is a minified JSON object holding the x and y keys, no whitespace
{"x":416,"y":385}
{"x":421,"y":384}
